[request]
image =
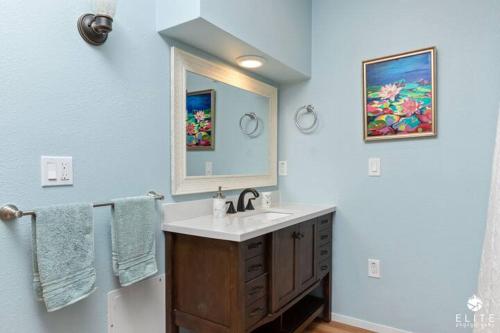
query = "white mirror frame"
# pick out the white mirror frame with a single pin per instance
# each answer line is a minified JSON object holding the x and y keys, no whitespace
{"x":181,"y":62}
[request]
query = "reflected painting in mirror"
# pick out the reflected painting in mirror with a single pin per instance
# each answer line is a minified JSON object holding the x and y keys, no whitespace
{"x":200,"y":120}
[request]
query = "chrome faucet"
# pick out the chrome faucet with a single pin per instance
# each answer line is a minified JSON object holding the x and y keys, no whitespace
{"x":241,"y":199}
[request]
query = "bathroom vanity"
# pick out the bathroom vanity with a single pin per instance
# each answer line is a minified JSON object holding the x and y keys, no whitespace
{"x":259,"y":271}
{"x":255,"y":271}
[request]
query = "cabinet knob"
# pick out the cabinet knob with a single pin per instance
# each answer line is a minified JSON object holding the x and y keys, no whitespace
{"x":254,"y":268}
{"x":255,"y":290}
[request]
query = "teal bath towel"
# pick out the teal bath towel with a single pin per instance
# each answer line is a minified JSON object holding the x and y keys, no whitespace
{"x":133,"y":239}
{"x":63,"y":254}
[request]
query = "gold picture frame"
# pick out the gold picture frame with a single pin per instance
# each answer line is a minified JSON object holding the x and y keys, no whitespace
{"x":399,"y":96}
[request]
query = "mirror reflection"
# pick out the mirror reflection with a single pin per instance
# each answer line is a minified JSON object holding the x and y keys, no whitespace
{"x":226,"y":130}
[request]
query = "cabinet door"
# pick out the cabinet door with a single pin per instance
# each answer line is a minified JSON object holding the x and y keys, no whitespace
{"x":307,"y":259}
{"x":284,"y":266}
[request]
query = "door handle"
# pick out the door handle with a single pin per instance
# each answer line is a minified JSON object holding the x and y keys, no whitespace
{"x":254,"y":245}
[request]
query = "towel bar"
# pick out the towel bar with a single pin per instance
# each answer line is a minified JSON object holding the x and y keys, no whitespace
{"x":11,"y":212}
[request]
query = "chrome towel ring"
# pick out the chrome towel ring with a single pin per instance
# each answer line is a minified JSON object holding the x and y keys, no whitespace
{"x":253,"y":117}
{"x":309,"y":109}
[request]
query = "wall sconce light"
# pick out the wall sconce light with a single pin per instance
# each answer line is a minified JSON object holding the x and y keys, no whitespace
{"x":94,"y":28}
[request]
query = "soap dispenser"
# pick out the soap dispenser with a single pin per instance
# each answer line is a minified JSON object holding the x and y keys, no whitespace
{"x":219,"y":204}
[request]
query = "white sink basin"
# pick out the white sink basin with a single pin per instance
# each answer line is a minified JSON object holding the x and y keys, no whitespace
{"x":269,"y":216}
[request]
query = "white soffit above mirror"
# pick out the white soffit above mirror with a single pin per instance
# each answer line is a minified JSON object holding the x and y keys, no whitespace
{"x":231,"y":29}
{"x":183,"y":62}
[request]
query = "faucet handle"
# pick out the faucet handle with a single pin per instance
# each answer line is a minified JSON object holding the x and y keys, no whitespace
{"x":230,"y":209}
{"x":250,"y":205}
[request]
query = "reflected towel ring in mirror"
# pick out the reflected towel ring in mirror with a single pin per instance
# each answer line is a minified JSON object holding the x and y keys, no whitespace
{"x":253,"y":117}
{"x":309,"y":109}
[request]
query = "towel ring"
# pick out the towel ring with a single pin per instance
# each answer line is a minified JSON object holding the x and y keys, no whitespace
{"x":309,"y":109}
{"x":253,"y":117}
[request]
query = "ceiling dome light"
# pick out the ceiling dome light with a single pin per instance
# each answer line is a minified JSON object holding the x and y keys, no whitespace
{"x":250,"y":61}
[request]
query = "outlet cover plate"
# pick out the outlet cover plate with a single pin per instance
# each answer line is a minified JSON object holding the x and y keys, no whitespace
{"x":56,"y":171}
{"x":374,"y":268}
{"x":283,"y":168}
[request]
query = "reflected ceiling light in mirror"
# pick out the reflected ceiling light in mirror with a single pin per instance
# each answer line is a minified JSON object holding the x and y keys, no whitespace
{"x":250,"y":61}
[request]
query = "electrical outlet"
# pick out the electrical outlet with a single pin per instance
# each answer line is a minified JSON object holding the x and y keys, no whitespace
{"x":374,"y":268}
{"x":283,"y":168}
{"x":56,"y":170}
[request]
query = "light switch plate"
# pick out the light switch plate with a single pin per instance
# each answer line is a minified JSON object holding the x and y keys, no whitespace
{"x":374,"y":169}
{"x":374,"y":268}
{"x":283,"y":168}
{"x":209,"y":168}
{"x":56,"y":170}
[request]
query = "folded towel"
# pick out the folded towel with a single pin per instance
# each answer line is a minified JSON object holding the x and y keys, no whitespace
{"x":63,"y":254}
{"x":133,"y":239}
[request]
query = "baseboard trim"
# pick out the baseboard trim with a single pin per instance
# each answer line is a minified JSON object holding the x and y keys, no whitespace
{"x":367,"y":325}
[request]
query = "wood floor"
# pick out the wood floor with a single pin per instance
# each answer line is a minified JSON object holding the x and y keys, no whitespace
{"x":333,"y":327}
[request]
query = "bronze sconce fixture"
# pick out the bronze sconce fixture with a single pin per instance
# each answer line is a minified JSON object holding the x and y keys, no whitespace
{"x":94,"y":28}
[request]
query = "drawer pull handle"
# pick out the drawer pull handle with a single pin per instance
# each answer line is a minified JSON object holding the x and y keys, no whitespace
{"x":256,"y":311}
{"x":324,"y":237}
{"x":255,"y":290}
{"x":324,"y":267}
{"x":324,"y":222}
{"x":323,"y":252}
{"x":254,"y":245}
{"x":297,"y":235}
{"x":254,"y":268}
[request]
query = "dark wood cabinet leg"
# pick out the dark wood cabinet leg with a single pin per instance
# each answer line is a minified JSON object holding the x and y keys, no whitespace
{"x":327,"y":294}
{"x":169,"y":295}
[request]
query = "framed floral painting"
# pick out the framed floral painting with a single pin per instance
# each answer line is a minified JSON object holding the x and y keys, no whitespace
{"x":200,"y":120}
{"x":399,"y":96}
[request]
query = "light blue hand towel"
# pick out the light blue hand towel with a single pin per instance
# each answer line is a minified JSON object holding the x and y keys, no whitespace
{"x":133,"y":239}
{"x":63,"y":254}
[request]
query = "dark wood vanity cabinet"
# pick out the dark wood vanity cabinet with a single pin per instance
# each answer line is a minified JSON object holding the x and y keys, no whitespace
{"x":264,"y":284}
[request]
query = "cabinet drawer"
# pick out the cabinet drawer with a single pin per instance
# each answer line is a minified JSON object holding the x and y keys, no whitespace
{"x":324,"y":222}
{"x":255,"y":312}
{"x":255,"y":289}
{"x":254,"y":247}
{"x":254,"y":267}
{"x":324,"y":267}
{"x":324,"y":252}
{"x":324,"y":236}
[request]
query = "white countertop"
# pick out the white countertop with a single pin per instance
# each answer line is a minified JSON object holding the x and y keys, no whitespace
{"x":239,"y":227}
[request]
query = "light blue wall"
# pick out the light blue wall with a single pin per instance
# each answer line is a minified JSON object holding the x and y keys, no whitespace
{"x":108,"y":107}
{"x":425,"y":217}
{"x":173,"y":12}
{"x":235,"y":153}
{"x":281,"y":28}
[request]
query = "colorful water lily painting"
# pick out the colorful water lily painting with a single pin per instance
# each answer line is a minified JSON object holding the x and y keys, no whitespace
{"x":200,"y":120}
{"x":399,"y":96}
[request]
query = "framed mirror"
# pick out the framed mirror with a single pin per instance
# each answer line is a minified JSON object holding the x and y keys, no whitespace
{"x":224,"y":127}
